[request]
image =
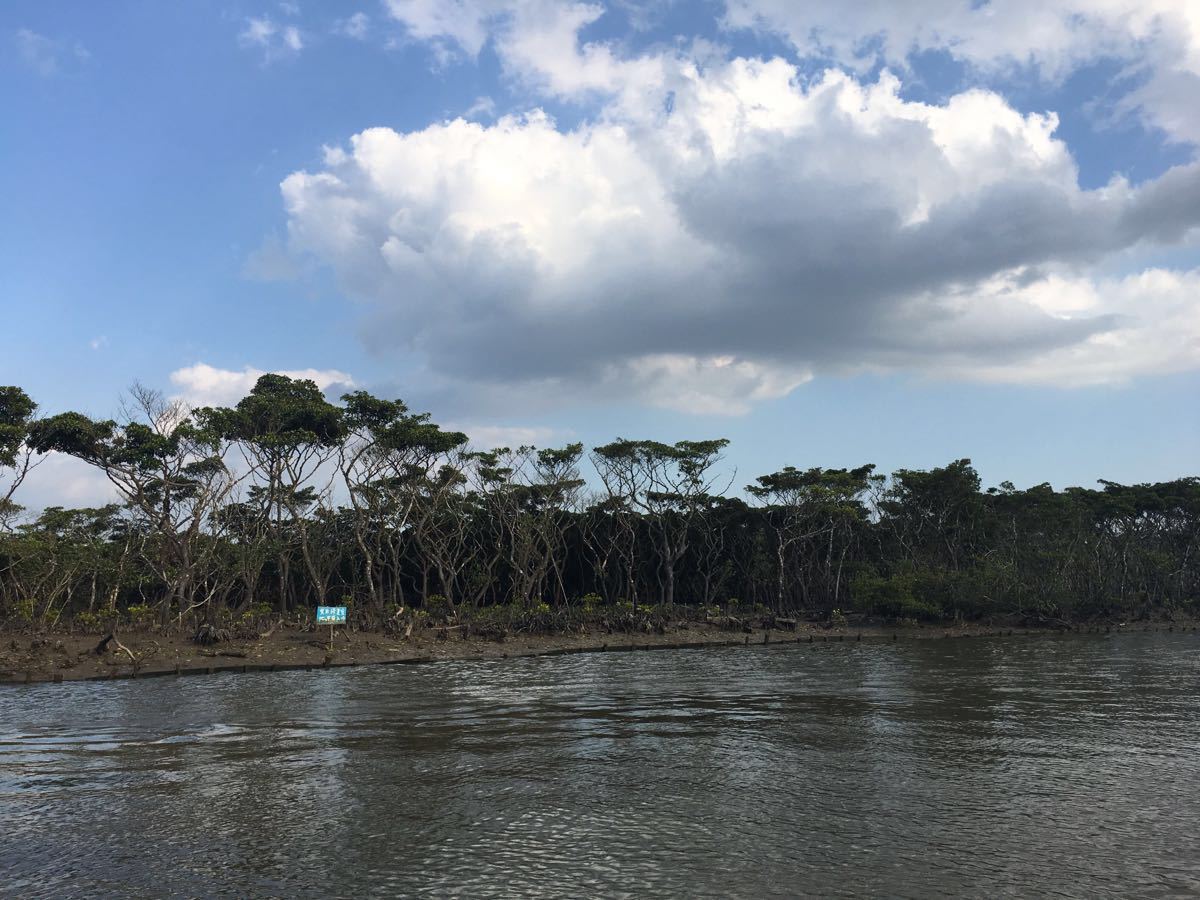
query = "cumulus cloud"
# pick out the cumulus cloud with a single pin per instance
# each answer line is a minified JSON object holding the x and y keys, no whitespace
{"x":205,"y":385}
{"x":721,"y":232}
{"x":1158,"y":40}
{"x":1157,"y":319}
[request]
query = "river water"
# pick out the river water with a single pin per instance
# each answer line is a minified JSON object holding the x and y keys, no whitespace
{"x":1052,"y":766}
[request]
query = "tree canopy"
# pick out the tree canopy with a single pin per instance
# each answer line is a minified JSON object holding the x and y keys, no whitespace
{"x":288,"y":499}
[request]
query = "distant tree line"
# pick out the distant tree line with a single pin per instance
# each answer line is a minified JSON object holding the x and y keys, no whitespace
{"x":287,"y":500}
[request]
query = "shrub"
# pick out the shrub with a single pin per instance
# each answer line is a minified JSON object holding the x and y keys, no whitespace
{"x":438,"y":607}
{"x":256,"y":611}
{"x":140,"y":615}
{"x":895,"y":597}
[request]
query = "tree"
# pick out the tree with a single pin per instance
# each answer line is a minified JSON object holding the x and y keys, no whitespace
{"x":168,"y":468}
{"x":231,"y":508}
{"x":817,"y":507}
{"x":527,"y":495}
{"x":935,"y":513}
{"x":286,"y":431}
{"x":386,"y":461}
{"x":555,"y":494}
{"x":16,"y":458}
{"x":717,"y":519}
{"x":667,"y":483}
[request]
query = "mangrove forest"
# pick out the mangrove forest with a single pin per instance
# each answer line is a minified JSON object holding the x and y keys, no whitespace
{"x":288,"y":500}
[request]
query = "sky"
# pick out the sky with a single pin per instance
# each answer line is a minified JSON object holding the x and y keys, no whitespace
{"x":832,"y":233}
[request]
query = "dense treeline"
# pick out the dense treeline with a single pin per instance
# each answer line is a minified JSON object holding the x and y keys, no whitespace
{"x":287,"y":500}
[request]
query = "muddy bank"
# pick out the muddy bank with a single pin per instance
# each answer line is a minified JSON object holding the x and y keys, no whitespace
{"x":29,"y":658}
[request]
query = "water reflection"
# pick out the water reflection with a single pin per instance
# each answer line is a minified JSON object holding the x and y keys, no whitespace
{"x":947,"y":767}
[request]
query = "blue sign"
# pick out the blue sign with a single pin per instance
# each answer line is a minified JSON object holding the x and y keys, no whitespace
{"x":331,"y":615}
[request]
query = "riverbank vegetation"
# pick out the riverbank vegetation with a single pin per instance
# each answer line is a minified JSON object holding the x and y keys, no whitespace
{"x":260,"y":511}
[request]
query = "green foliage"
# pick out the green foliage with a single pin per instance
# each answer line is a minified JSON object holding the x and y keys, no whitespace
{"x":893,"y":597}
{"x":24,"y":609}
{"x":256,"y":612}
{"x":74,"y":434}
{"x":16,"y":411}
{"x":98,"y":620}
{"x":279,"y":414}
{"x":505,"y":535}
{"x":438,"y":607}
{"x":140,"y":614}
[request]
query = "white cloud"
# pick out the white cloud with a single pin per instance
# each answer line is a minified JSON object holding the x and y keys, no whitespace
{"x":540,"y":44}
{"x":99,"y":342}
{"x":205,"y":385}
{"x":536,"y":40}
{"x":46,"y":56}
{"x":61,"y":480}
{"x":512,"y":436}
{"x":716,"y":385}
{"x":763,"y":229}
{"x":463,"y":23}
{"x":1159,"y":40}
{"x":1157,"y":318}
{"x":258,"y":32}
{"x":483,"y":107}
{"x":355,"y":26}
{"x":275,"y":40}
{"x":721,"y":231}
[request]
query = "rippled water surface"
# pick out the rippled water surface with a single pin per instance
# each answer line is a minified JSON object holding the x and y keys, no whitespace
{"x":1021,"y":766}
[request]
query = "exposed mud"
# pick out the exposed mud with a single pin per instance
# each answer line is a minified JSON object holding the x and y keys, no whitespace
{"x":26,"y":658}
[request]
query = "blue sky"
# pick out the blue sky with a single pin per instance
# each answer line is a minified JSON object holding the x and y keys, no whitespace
{"x":832,"y":238}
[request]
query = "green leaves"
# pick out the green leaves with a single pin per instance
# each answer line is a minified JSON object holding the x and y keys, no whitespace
{"x":415,"y":512}
{"x":368,"y":412}
{"x":690,"y":456}
{"x":16,"y":409}
{"x":133,"y":447}
{"x":815,"y":488}
{"x":279,"y":413}
{"x":74,"y":434}
{"x":661,"y":472}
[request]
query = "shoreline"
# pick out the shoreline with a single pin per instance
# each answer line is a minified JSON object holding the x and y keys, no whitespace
{"x":55,"y":658}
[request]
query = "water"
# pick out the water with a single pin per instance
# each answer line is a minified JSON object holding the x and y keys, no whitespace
{"x":984,"y":767}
